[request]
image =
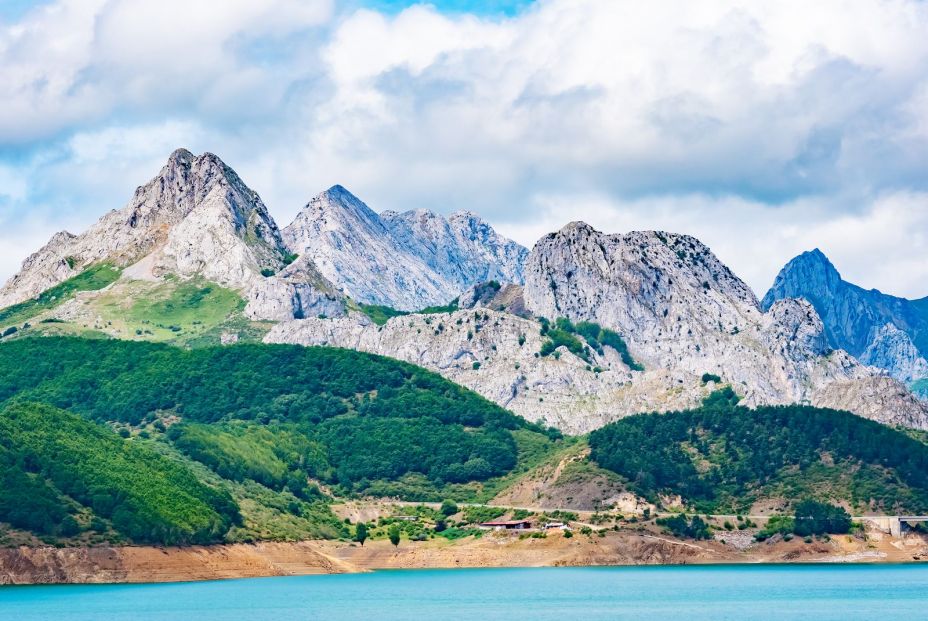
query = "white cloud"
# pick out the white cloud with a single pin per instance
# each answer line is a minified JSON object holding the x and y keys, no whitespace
{"x":765,"y":128}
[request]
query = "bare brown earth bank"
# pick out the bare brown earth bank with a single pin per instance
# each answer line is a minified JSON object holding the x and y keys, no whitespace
{"x":48,"y":565}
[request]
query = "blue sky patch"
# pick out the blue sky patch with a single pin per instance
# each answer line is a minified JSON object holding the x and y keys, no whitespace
{"x":477,"y":7}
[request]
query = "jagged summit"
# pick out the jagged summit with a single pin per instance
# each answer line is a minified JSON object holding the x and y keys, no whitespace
{"x":406,"y":260}
{"x":812,"y":267}
{"x":683,"y":310}
{"x":648,"y":273}
{"x":337,"y":202}
{"x":883,"y":330}
{"x":196,"y":217}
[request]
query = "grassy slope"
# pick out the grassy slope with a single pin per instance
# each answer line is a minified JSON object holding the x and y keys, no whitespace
{"x":190,"y":313}
{"x":92,"y":279}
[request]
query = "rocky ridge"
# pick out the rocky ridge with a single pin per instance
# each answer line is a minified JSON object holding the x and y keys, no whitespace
{"x":496,"y":354}
{"x":407,"y":261}
{"x":682,"y":313}
{"x":881,"y":330}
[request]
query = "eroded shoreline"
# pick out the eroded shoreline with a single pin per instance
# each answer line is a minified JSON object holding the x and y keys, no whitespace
{"x":141,"y":564}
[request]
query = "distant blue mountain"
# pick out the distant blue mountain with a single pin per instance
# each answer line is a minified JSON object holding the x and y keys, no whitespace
{"x":880,"y":329}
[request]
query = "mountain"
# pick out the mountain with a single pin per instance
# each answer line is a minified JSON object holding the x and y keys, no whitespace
{"x":681,"y":309}
{"x":406,"y":261}
{"x":604,"y":326}
{"x":196,"y":217}
{"x":684,"y":320}
{"x":882,"y":330}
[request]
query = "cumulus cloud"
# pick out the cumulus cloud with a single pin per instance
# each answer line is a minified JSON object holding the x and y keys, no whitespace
{"x":763,"y":128}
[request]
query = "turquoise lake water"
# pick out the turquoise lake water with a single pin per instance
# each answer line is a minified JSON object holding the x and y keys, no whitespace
{"x":716,"y":593}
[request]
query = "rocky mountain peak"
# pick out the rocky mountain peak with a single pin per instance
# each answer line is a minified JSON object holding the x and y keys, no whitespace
{"x":882,"y":330}
{"x":629,"y":281}
{"x":406,"y":260}
{"x":809,"y":272}
{"x":196,"y":217}
{"x":337,"y":207}
{"x":682,"y":310}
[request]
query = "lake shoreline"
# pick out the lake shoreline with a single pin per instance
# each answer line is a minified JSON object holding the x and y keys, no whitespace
{"x":150,"y":564}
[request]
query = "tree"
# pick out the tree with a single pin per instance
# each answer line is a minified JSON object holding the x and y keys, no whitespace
{"x":394,"y":534}
{"x":360,"y":533}
{"x":818,"y":518}
{"x":448,"y":508}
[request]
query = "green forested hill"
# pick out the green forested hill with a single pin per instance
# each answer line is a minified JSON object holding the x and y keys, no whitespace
{"x":47,"y":454}
{"x":258,"y":417}
{"x":723,"y":457}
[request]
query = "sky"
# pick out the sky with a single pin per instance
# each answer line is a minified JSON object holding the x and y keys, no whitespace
{"x":763,"y":128}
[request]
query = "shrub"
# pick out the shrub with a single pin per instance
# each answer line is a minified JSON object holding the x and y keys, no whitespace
{"x":448,"y":508}
{"x":360,"y":533}
{"x":479,"y":514}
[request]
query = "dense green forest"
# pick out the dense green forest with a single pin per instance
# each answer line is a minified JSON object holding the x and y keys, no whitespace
{"x":47,"y":454}
{"x":723,"y":457}
{"x":279,"y":417}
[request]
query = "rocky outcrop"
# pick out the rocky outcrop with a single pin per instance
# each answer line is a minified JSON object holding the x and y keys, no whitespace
{"x":882,"y":330}
{"x":500,"y":297}
{"x":195,"y":218}
{"x":497,"y":355}
{"x":298,"y":291}
{"x":463,"y":249}
{"x":407,"y":261}
{"x":890,"y":348}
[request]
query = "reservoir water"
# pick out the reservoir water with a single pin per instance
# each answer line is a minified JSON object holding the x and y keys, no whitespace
{"x":717,"y":593}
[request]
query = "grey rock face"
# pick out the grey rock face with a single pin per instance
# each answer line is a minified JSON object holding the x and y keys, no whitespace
{"x":407,"y":261}
{"x":195,"y":218}
{"x":680,"y":308}
{"x":464,"y":249}
{"x":890,"y":348}
{"x":496,"y":354}
{"x":296,"y":292}
{"x":855,"y":319}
